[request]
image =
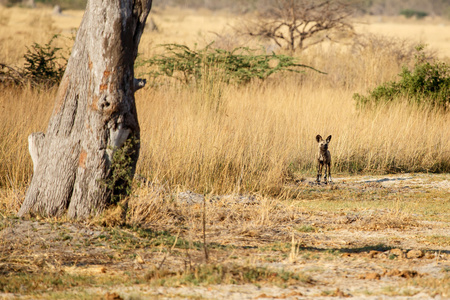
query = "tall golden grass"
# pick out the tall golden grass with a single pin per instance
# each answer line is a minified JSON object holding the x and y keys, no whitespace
{"x":23,"y":110}
{"x":263,"y":132}
{"x":221,"y":138}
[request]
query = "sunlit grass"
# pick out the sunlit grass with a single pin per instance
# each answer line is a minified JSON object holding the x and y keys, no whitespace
{"x":221,"y":138}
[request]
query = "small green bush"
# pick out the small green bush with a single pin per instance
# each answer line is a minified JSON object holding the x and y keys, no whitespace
{"x":41,"y":63}
{"x":409,"y":13}
{"x":427,"y":83}
{"x":239,"y":65}
{"x":44,"y":67}
{"x":122,"y":171}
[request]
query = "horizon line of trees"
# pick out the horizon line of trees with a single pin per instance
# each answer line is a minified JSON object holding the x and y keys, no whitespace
{"x":372,"y":7}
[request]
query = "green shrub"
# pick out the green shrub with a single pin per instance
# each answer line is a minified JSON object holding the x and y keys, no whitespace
{"x":239,"y":65}
{"x":427,"y":83}
{"x":122,"y":170}
{"x":41,"y":63}
{"x":409,"y":13}
{"x":44,"y":67}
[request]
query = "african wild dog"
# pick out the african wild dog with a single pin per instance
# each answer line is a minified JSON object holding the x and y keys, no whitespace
{"x":323,"y":158}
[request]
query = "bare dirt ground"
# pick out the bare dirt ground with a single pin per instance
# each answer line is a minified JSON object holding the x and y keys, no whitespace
{"x":366,"y":237}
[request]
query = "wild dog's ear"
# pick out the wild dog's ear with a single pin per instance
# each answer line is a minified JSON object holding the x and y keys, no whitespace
{"x":319,"y":138}
{"x":328,"y":138}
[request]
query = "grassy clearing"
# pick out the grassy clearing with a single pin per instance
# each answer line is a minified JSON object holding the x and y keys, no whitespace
{"x":439,"y":286}
{"x":440,"y":240}
{"x":267,"y":242}
{"x":61,"y":283}
{"x":99,"y":259}
{"x":425,"y":205}
{"x":35,"y":284}
{"x":220,"y":274}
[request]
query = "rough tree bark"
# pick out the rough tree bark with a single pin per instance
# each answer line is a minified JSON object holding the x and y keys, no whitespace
{"x":94,"y":113}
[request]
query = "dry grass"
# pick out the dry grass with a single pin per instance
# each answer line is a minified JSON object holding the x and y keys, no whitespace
{"x":251,"y":240}
{"x":264,"y":131}
{"x":20,"y":27}
{"x":230,"y":139}
{"x":23,"y":111}
{"x":440,"y":286}
{"x":432,"y":31}
{"x":259,"y":135}
{"x":256,"y":243}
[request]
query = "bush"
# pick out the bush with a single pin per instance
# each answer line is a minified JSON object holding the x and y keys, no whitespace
{"x":409,"y":13}
{"x":44,"y":66}
{"x":427,"y":83}
{"x":239,"y":65}
{"x":41,"y":63}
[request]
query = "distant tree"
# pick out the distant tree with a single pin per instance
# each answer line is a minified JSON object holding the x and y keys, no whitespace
{"x":294,"y":24}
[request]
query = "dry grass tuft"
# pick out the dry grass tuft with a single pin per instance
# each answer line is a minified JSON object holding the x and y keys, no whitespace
{"x":147,"y":206}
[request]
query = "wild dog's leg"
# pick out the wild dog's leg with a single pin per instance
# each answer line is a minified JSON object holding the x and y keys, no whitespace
{"x":325,"y":174}
{"x":329,"y":172}
{"x":319,"y":170}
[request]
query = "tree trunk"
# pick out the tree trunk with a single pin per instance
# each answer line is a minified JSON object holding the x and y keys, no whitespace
{"x":94,"y":113}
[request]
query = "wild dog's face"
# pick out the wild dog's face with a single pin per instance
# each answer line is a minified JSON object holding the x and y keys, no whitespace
{"x":323,"y":145}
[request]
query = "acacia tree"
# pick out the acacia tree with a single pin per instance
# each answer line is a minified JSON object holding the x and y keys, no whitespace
{"x":93,"y":116}
{"x":292,"y":24}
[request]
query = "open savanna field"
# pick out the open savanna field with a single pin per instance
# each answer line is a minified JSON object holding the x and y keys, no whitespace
{"x":225,"y":203}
